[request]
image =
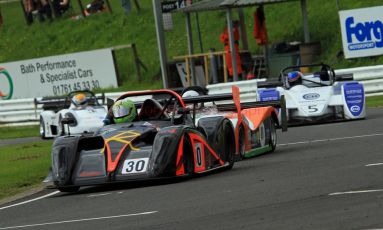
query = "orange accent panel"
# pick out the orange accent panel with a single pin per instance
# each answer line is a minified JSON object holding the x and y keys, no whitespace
{"x":258,"y":115}
{"x":195,"y":137}
{"x":113,"y":164}
{"x":180,"y":164}
{"x":237,"y":102}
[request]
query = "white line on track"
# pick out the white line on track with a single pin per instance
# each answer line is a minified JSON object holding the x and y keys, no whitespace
{"x":375,"y":164}
{"x":28,"y":201}
{"x":79,"y":220}
{"x":101,"y":194}
{"x":355,"y":192}
{"x":332,"y":139}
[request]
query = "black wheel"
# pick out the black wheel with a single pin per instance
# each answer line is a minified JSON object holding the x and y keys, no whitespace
{"x":241,"y":143}
{"x":272,"y":135}
{"x":42,"y":129}
{"x":188,"y":157}
{"x":69,"y":189}
{"x":229,"y":140}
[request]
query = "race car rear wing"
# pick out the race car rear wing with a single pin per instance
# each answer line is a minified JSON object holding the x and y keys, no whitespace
{"x":57,"y":103}
{"x":269,"y":84}
{"x":52,"y":103}
{"x":281,"y":104}
{"x":344,"y":77}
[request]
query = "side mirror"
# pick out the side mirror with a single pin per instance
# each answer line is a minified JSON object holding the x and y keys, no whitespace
{"x":68,"y":121}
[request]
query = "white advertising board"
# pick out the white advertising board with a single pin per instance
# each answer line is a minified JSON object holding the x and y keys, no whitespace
{"x":362,"y":32}
{"x":57,"y":75}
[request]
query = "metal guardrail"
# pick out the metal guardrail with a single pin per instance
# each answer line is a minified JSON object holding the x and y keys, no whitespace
{"x":24,"y":112}
{"x":371,"y":77}
{"x":21,"y":112}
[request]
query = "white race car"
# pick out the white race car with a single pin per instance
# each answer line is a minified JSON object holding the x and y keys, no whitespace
{"x":320,"y":96}
{"x":86,"y":114}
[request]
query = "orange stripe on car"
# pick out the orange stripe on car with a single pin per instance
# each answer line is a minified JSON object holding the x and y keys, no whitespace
{"x":180,"y":169}
{"x":258,"y":115}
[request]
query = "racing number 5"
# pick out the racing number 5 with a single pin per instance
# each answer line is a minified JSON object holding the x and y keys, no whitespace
{"x":312,"y":108}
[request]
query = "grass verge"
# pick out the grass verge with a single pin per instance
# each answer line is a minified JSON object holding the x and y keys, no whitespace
{"x":23,"y":166}
{"x":373,"y":102}
{"x":19,"y":132}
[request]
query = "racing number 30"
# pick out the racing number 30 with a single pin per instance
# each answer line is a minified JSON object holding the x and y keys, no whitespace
{"x":135,"y":166}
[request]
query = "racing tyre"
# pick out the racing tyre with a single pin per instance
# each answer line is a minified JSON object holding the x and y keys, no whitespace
{"x":69,"y":189}
{"x":272,"y":135}
{"x":241,"y":143}
{"x":229,"y":141}
{"x":42,"y":128}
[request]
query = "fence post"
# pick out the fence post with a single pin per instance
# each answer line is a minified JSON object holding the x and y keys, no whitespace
{"x":1,"y":18}
{"x":81,"y":8}
{"x":206,"y":69}
{"x":213,"y":65}
{"x":224,"y":68}
{"x":109,"y":7}
{"x":136,"y":62}
{"x":137,"y":5}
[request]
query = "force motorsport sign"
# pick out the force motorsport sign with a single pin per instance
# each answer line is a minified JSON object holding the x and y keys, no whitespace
{"x":57,"y":75}
{"x":362,"y":32}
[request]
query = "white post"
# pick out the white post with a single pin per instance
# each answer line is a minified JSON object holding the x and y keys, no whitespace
{"x":161,"y":41}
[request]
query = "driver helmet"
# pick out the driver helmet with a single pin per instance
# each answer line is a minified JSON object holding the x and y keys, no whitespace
{"x":294,"y":78}
{"x":80,"y":99}
{"x":124,"y":111}
{"x":191,"y":93}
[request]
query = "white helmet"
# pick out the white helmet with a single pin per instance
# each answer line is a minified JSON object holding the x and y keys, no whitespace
{"x":190,"y":93}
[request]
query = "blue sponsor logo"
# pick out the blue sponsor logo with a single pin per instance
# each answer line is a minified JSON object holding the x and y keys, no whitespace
{"x":269,"y":95}
{"x":354,"y":96}
{"x":368,"y":35}
{"x":311,"y":96}
{"x":355,"y":108}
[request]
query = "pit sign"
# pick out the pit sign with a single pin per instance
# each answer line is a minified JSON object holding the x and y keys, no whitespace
{"x":362,"y":32}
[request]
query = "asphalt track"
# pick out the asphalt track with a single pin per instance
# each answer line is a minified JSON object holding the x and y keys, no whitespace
{"x":320,"y":177}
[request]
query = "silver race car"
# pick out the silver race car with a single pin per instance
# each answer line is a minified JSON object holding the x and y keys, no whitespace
{"x":321,"y":96}
{"x":82,"y":106}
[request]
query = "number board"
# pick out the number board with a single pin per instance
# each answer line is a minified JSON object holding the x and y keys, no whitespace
{"x":132,"y":166}
{"x":198,"y":155}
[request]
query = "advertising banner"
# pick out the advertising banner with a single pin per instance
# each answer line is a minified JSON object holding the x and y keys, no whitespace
{"x":362,"y":32}
{"x":57,"y":75}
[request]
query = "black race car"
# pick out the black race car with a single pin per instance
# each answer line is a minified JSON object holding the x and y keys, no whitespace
{"x":162,"y":142}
